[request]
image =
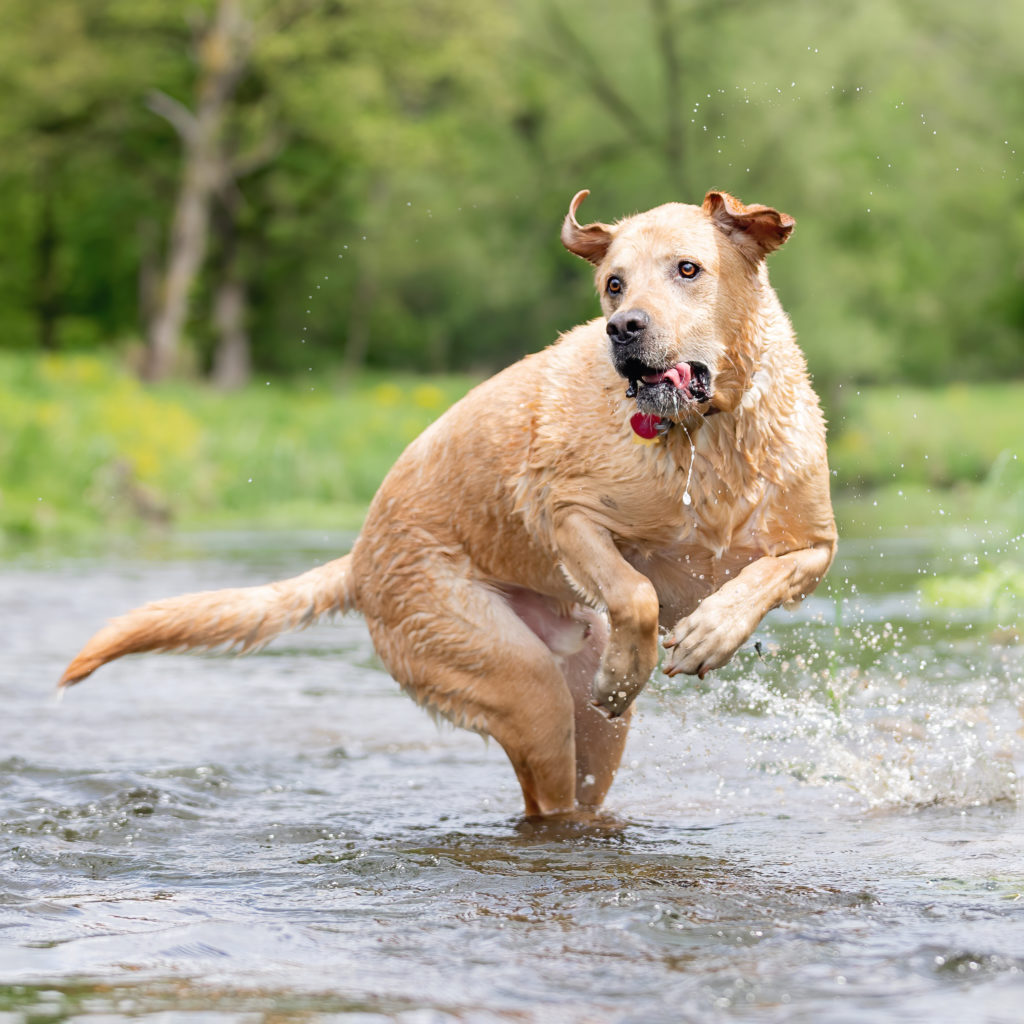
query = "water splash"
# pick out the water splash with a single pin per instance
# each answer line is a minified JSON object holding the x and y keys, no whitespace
{"x":864,"y":715}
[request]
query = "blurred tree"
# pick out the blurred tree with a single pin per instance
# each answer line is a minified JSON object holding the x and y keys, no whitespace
{"x":73,"y":184}
{"x":222,"y":53}
{"x":54,"y":89}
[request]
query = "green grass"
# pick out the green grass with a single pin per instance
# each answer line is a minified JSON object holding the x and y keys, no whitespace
{"x":87,"y":451}
{"x":908,"y":436}
{"x":85,"y":447}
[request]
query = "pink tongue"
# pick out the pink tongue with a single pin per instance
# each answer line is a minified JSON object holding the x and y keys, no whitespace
{"x":680,"y":375}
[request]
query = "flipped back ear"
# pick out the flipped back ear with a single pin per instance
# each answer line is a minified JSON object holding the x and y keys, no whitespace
{"x":590,"y":241}
{"x":757,"y":230}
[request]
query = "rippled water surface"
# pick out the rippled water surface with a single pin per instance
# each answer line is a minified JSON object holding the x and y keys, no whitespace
{"x":828,"y":830}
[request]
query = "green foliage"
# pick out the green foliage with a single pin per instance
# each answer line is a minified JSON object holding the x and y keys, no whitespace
{"x":998,"y":590}
{"x":905,"y":436}
{"x":84,"y":446}
{"x":409,"y":164}
{"x":994,"y":585}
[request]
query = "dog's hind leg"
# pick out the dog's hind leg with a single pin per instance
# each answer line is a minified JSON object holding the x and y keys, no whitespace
{"x":577,"y":636}
{"x":459,"y":649}
{"x":600,"y":741}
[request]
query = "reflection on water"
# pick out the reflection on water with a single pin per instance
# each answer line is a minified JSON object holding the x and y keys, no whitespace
{"x":828,"y":830}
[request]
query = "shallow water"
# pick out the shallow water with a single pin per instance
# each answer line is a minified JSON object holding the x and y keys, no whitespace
{"x":829,"y":830}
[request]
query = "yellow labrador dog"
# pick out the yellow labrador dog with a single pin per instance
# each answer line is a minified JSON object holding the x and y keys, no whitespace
{"x":663,"y":465}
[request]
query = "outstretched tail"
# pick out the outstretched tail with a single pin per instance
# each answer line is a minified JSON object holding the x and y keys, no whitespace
{"x":240,"y":618}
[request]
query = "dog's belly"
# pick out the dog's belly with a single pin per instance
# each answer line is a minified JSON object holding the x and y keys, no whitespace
{"x":562,"y":626}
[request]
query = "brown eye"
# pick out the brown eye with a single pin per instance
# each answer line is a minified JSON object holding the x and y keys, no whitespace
{"x":614,"y":286}
{"x":688,"y":269}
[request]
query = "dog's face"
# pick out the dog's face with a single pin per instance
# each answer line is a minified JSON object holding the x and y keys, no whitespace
{"x":678,"y":285}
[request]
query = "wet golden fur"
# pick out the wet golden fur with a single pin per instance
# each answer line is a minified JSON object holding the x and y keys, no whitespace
{"x":516,"y":564}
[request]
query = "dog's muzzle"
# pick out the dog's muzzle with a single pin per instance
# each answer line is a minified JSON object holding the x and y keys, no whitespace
{"x":665,"y":391}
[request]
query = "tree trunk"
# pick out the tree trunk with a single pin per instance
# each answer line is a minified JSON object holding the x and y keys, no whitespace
{"x":232,"y":359}
{"x":47,"y":298}
{"x":364,"y":287}
{"x":357,"y":337}
{"x":222,"y":55}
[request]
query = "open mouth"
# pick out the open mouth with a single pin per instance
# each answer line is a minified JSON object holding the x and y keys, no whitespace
{"x":668,"y":388}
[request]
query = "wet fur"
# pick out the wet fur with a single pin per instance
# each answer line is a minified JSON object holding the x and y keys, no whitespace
{"x":517,"y":562}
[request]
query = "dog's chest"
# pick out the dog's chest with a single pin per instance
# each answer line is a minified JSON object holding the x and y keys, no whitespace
{"x":695,"y":528}
{"x":697,"y":495}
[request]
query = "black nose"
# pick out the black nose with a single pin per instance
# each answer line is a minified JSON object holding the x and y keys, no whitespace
{"x":627,"y":325}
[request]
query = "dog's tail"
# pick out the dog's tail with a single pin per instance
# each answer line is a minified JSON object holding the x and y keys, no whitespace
{"x":238,"y":619}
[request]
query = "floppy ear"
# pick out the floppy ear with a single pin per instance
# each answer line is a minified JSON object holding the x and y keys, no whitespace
{"x":592,"y":241}
{"x":757,"y":229}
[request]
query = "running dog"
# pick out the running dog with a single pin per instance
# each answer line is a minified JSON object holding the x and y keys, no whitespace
{"x":661,"y":466}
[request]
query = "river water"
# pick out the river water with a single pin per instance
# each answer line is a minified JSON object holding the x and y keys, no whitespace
{"x":828,"y":830}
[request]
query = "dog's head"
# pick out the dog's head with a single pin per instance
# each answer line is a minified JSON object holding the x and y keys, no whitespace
{"x":680,"y":287}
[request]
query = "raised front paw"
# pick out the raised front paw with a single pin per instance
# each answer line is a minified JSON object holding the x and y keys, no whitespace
{"x":705,"y":640}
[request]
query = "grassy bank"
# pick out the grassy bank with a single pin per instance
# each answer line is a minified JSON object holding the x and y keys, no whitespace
{"x":940,"y":437}
{"x":85,"y":449}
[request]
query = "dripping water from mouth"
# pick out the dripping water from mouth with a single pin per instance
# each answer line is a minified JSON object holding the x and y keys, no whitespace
{"x":687,"y":500}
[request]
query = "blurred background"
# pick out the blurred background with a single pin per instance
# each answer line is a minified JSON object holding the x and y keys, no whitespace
{"x":250,"y":247}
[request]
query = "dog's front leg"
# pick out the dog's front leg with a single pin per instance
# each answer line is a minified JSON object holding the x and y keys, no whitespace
{"x":711,"y":635}
{"x":595,"y":567}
